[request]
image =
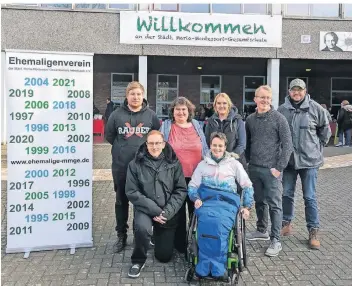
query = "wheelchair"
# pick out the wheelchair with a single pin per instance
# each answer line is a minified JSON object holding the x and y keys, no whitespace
{"x":236,"y":256}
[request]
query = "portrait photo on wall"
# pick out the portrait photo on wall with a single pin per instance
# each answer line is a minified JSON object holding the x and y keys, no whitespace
{"x":335,"y":41}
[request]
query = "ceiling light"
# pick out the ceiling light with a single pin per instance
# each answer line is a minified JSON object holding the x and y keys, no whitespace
{"x":308,"y":69}
{"x":199,"y":68}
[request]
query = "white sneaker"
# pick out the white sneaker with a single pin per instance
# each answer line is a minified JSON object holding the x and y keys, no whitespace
{"x":274,"y":248}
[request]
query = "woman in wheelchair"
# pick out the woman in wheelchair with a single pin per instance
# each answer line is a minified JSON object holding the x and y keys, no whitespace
{"x":218,"y":203}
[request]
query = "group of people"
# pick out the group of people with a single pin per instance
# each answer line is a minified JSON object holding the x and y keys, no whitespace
{"x":162,"y":170}
{"x":344,"y":125}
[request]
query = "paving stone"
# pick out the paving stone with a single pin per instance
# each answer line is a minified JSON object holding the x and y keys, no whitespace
{"x":296,"y":264}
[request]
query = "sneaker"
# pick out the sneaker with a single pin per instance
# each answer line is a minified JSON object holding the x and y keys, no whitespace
{"x":314,"y":243}
{"x":257,"y":235}
{"x":135,"y":270}
{"x":120,"y":244}
{"x":346,"y":146}
{"x":274,"y":248}
{"x":152,"y":241}
{"x":339,"y":144}
{"x":286,"y":229}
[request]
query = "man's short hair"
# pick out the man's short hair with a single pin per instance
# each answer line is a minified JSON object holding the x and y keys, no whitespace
{"x":155,"y":132}
{"x":334,"y":36}
{"x":134,"y":85}
{"x":265,"y":87}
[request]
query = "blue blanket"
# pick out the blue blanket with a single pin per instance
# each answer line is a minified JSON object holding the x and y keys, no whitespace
{"x":216,"y":218}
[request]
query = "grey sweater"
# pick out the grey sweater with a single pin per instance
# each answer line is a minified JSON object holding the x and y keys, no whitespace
{"x":269,"y":141}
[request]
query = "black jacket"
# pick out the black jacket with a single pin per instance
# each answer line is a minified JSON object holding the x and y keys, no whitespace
{"x":109,"y":110}
{"x":344,"y":119}
{"x":126,"y":131}
{"x":232,"y":127}
{"x":152,"y":191}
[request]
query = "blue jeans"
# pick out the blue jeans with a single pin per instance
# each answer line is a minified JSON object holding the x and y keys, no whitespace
{"x":347,"y":134}
{"x":309,"y":181}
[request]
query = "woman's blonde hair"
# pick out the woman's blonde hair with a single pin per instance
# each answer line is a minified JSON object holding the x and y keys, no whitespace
{"x":134,"y":85}
{"x":345,"y":102}
{"x":226,"y":97}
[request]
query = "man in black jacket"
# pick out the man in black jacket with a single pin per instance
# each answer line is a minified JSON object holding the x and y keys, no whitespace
{"x":344,"y":123}
{"x":126,"y":130}
{"x":109,"y":108}
{"x":156,"y":187}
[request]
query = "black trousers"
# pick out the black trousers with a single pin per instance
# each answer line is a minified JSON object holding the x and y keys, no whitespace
{"x":121,"y":203}
{"x":181,"y":231}
{"x":243,"y":161}
{"x":163,"y":239}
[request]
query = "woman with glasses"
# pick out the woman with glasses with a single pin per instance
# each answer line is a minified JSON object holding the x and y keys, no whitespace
{"x":156,"y":187}
{"x":186,"y":138}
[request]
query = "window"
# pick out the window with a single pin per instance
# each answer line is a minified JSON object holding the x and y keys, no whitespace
{"x":119,"y":82}
{"x":347,"y":10}
{"x":122,"y":6}
{"x":210,"y":87}
{"x":324,"y":10}
{"x":297,"y":9}
{"x":64,"y":6}
{"x":167,"y":91}
{"x":341,"y":89}
{"x":289,"y":79}
{"x":23,"y":4}
{"x":255,"y":9}
{"x":195,"y":8}
{"x":227,"y":8}
{"x":250,"y":84}
{"x":313,"y":10}
{"x":165,"y":7}
{"x":90,"y":6}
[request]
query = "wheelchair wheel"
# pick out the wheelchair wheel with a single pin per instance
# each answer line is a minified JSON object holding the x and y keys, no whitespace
{"x":241,"y":242}
{"x":244,"y":243}
{"x":189,"y":274}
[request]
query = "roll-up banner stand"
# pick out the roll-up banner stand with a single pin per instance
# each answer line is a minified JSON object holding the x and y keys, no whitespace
{"x":49,"y":110}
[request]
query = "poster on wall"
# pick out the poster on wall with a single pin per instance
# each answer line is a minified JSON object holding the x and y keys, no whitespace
{"x":335,"y":41}
{"x":49,"y":151}
{"x":197,"y":29}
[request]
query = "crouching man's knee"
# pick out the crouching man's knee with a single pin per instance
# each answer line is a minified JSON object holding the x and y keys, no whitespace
{"x":162,"y":256}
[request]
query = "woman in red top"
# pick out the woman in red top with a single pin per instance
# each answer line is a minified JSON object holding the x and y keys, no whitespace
{"x":187,"y":139}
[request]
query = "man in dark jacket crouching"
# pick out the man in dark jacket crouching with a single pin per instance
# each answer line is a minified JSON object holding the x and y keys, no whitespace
{"x":156,"y":187}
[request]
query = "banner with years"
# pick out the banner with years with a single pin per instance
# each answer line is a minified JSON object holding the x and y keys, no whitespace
{"x":50,"y":139}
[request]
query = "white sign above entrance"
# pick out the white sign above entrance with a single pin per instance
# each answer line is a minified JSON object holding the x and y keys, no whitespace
{"x":193,"y":29}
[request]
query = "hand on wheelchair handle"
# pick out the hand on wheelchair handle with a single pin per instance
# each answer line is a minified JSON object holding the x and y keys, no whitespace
{"x":245,"y":213}
{"x":198,"y":203}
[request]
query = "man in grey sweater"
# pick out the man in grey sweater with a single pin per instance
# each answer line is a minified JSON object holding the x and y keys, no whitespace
{"x":269,"y":147}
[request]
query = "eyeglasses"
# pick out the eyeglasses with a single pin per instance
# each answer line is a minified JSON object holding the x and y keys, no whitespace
{"x":154,"y":143}
{"x":264,"y":98}
{"x":297,"y":89}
